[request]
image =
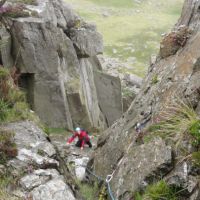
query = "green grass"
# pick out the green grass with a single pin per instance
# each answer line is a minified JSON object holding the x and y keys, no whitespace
{"x":13,"y":105}
{"x":132,"y":29}
{"x":158,"y":191}
{"x":196,"y":159}
{"x":50,"y":131}
{"x":89,"y":192}
{"x":5,"y":180}
{"x":8,"y":149}
{"x":177,"y":120}
{"x":30,"y":2}
{"x":115,"y":3}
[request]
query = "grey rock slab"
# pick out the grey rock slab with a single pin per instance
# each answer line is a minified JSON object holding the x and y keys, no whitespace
{"x":38,"y":178}
{"x":28,"y":156}
{"x":55,"y":189}
{"x":133,"y":80}
{"x":31,"y":181}
{"x":142,"y":164}
{"x":109,"y":96}
{"x":26,"y":133}
{"x":44,"y":147}
{"x":87,"y":42}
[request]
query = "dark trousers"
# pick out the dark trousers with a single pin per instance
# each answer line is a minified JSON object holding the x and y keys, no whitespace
{"x":79,"y":142}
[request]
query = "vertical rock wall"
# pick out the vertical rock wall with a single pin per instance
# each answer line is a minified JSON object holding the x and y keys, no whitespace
{"x":58,"y":51}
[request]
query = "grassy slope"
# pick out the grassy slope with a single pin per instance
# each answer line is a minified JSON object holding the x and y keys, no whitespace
{"x":131,"y":30}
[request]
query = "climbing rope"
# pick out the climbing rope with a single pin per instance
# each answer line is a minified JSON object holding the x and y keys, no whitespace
{"x":109,"y":177}
{"x":107,"y":182}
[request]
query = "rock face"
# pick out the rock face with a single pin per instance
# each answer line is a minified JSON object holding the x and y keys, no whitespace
{"x":142,"y":164}
{"x":131,"y":83}
{"x":36,"y":166}
{"x":174,"y":73}
{"x":56,"y":53}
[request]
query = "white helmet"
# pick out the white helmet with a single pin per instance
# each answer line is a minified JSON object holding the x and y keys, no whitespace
{"x":77,"y":129}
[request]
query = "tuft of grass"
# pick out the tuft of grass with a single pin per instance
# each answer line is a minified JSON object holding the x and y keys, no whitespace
{"x":13,"y":105}
{"x":55,"y":131}
{"x":29,"y":2}
{"x":88,"y":192}
{"x":138,"y":196}
{"x":154,"y":79}
{"x":177,"y":120}
{"x":126,"y":92}
{"x":4,"y":109}
{"x":158,"y":191}
{"x":7,"y":179}
{"x":8,"y":149}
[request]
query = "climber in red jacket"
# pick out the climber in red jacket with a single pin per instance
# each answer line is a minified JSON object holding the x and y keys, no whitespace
{"x":82,"y":138}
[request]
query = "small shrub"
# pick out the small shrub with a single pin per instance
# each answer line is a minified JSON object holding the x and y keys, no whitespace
{"x":15,"y":95}
{"x":138,"y":196}
{"x":20,"y":111}
{"x":196,"y":159}
{"x":154,"y":80}
{"x":89,"y":192}
{"x":13,"y":106}
{"x":4,"y":109}
{"x":177,"y":120}
{"x":126,"y":92}
{"x":6,"y":180}
{"x":41,"y":152}
{"x":159,"y":191}
{"x":8,"y":148}
{"x":4,"y":73}
{"x":14,"y":11}
{"x":29,"y":2}
{"x":4,"y":82}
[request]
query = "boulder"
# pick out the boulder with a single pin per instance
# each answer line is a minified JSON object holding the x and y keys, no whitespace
{"x":87,"y":42}
{"x":133,"y":80}
{"x":54,"y":189}
{"x":27,"y":156}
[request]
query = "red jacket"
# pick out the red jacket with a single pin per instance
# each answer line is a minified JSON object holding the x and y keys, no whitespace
{"x":83,"y":136}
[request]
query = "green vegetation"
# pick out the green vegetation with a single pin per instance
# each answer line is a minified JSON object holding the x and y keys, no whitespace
{"x":158,"y":191}
{"x":194,"y":130}
{"x":177,"y":120}
{"x":5,"y":180}
{"x":154,"y":80}
{"x":126,"y":92}
{"x":49,"y":130}
{"x":89,"y":192}
{"x":131,"y":30}
{"x":8,"y":148}
{"x":13,"y":106}
{"x":30,"y":2}
{"x":196,"y":159}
